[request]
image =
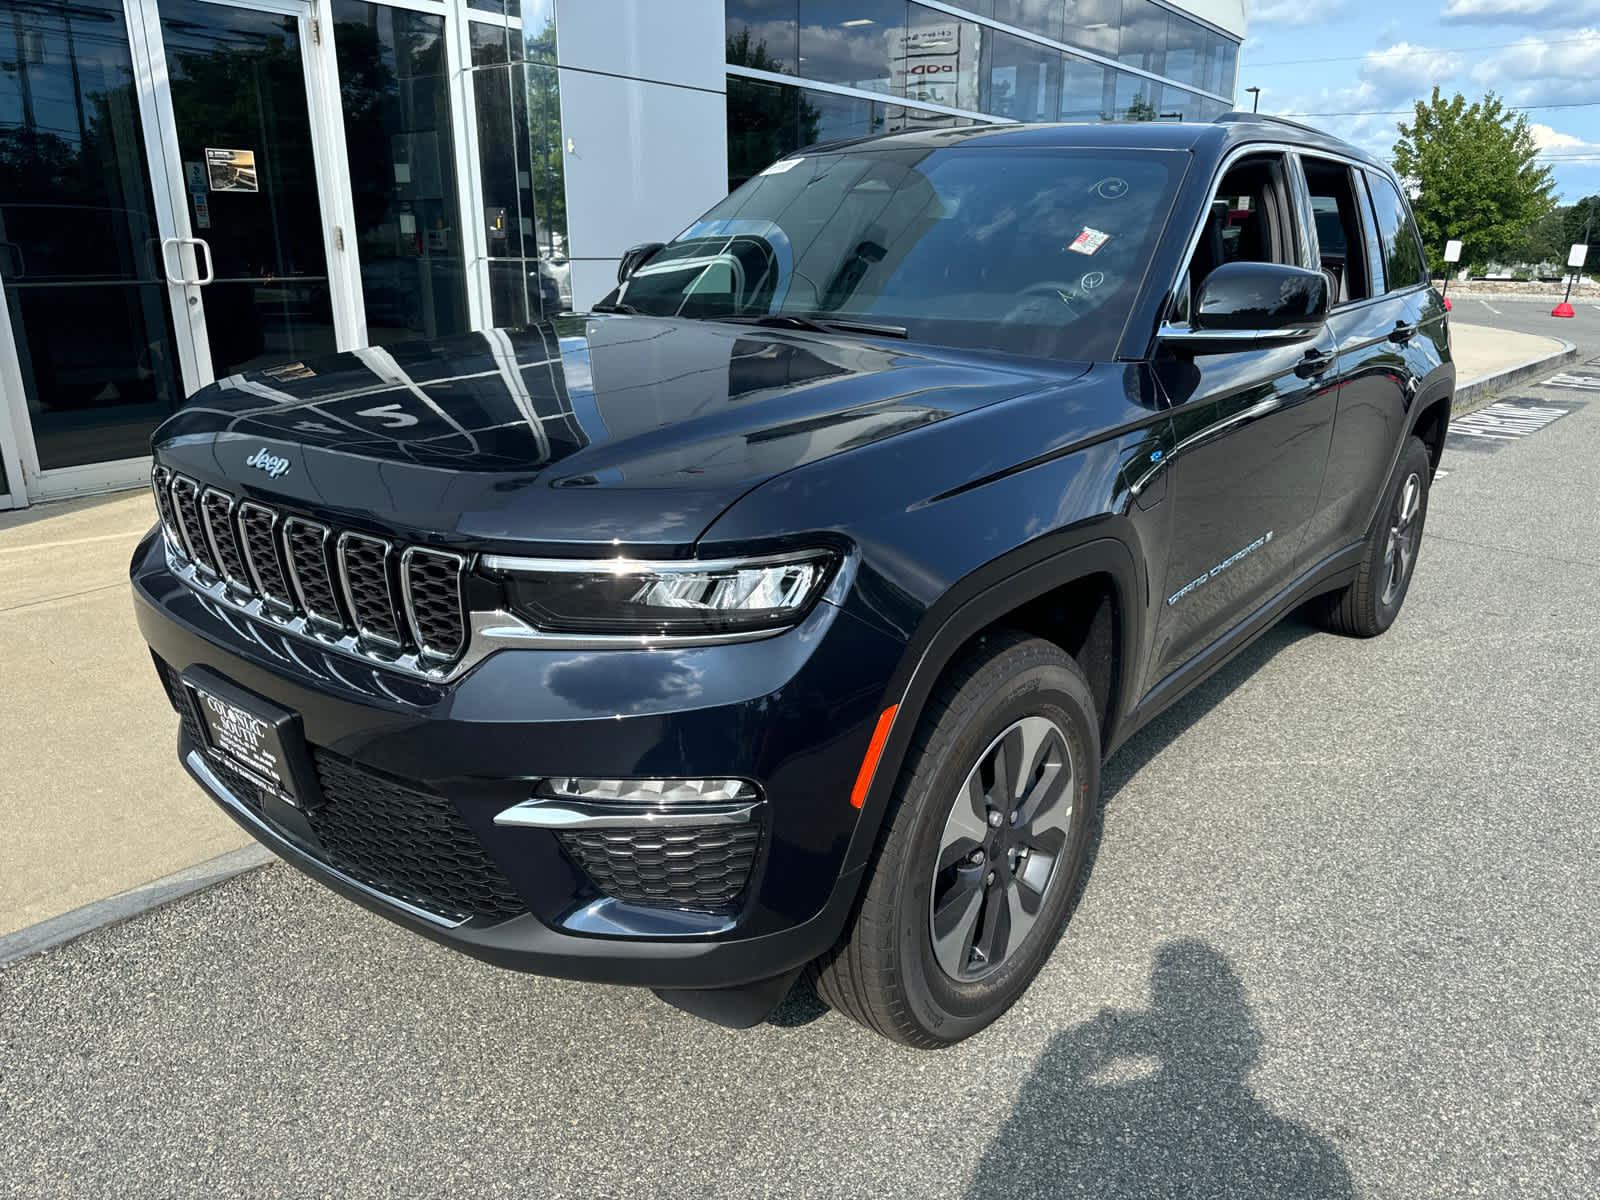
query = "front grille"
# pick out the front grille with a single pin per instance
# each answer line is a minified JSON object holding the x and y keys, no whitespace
{"x":350,"y":588}
{"x":699,"y":866}
{"x":407,"y":843}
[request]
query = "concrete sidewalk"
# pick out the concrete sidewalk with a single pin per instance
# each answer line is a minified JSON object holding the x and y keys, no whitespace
{"x":1488,"y":360}
{"x":93,"y":804}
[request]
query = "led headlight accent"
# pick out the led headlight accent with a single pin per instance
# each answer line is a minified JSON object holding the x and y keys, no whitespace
{"x":622,"y":596}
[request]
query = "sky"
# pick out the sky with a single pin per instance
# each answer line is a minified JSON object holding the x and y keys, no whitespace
{"x":1344,"y":65}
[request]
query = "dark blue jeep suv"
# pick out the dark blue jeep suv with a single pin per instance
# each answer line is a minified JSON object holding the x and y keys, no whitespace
{"x":777,"y":614}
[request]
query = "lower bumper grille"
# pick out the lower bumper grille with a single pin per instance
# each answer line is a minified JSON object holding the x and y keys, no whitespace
{"x":699,"y":866}
{"x":404,"y":841}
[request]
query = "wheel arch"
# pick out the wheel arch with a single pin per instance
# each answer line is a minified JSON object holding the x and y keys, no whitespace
{"x":1085,"y":598}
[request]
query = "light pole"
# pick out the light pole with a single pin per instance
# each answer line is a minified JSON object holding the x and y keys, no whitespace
{"x":1255,"y":99}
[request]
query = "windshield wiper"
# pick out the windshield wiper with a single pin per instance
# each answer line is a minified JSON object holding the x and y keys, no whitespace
{"x":618,"y":307}
{"x":818,"y":324}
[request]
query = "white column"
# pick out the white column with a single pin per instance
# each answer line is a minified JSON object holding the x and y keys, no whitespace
{"x":644,"y":116}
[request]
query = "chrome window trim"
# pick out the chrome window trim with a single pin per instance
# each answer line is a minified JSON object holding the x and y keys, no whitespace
{"x":362,"y":632}
{"x":279,"y":556}
{"x":324,"y":533}
{"x":244,"y":585}
{"x":1259,"y":337}
{"x":409,"y":608}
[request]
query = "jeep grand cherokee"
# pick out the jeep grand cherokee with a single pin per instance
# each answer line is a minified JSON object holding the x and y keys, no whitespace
{"x":778,"y":613}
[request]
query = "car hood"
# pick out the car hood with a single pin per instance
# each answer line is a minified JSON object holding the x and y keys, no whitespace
{"x":632,"y":432}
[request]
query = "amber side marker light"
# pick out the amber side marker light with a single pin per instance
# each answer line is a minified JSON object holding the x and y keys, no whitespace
{"x":869,"y":764}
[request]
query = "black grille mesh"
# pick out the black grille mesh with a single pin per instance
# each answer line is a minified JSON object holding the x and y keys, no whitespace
{"x":700,"y":866}
{"x":366,"y":574}
{"x":434,"y":582}
{"x":407,"y":843}
{"x":305,"y":543}
{"x":186,"y":501}
{"x":403,"y":841}
{"x":218,"y":513}
{"x":160,"y":485}
{"x":260,"y":545}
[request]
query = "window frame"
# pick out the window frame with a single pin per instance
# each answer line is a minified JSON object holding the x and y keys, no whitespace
{"x":1366,"y":220}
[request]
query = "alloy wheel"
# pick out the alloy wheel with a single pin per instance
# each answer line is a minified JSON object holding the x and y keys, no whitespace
{"x":1005,"y":834}
{"x":1401,"y":549}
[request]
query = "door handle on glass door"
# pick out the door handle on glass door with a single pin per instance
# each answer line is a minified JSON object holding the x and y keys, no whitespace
{"x":185,"y":281}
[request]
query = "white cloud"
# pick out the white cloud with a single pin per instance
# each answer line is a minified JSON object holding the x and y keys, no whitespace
{"x":1556,"y":145}
{"x":1404,"y":68}
{"x":1521,"y":12}
{"x":1536,"y":70}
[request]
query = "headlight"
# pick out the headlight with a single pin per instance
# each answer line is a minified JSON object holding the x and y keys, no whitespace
{"x":623,"y":596}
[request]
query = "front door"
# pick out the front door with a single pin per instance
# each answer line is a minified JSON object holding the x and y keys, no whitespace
{"x":253,"y":247}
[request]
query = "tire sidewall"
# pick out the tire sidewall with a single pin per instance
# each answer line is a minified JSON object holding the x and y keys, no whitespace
{"x":949,"y":1009}
{"x":1414,"y":459}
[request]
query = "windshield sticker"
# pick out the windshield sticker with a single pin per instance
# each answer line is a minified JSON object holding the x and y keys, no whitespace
{"x":1113,"y":187}
{"x":1089,"y":241}
{"x":778,"y":168}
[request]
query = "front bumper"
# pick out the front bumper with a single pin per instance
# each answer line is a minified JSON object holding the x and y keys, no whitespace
{"x":794,"y":713}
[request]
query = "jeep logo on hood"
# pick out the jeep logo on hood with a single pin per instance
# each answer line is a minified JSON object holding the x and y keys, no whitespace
{"x":262,"y":460}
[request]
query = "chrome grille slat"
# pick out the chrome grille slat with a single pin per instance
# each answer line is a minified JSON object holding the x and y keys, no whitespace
{"x":216,"y":512}
{"x":306,"y":551}
{"x":161,"y":488}
{"x":364,"y":578}
{"x":430,"y":586}
{"x":186,"y":502}
{"x":258,"y":537}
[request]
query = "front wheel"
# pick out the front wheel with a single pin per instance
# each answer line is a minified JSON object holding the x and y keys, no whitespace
{"x":982,"y":849}
{"x":1368,"y":605}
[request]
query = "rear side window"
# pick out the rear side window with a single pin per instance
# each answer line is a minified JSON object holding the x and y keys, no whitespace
{"x":1402,"y":248}
{"x":1341,"y":246}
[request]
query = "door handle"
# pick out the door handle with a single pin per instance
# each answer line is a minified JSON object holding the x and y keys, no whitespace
{"x":190,"y":241}
{"x":1315,"y":363}
{"x":1402,"y":333}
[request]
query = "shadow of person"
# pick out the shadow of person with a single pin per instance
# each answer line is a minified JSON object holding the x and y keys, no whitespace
{"x":1156,"y":1104}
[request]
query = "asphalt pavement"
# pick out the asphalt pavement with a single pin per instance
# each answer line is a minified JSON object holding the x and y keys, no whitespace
{"x":1338,"y":940}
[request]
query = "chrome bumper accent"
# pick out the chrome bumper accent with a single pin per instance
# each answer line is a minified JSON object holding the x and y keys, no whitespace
{"x":573,"y":814}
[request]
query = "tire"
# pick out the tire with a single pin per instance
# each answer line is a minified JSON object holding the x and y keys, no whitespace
{"x":1368,"y":605}
{"x":1012,"y":697}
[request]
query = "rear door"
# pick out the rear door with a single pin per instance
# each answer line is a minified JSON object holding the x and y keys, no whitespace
{"x":1251,"y":433}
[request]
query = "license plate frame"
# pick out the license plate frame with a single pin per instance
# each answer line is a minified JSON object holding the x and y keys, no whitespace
{"x":261,"y":740}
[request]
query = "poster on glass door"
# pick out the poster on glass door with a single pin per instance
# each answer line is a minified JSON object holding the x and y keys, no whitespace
{"x":231,"y":170}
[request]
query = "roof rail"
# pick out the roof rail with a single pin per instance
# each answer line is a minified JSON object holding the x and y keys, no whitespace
{"x":1239,"y":117}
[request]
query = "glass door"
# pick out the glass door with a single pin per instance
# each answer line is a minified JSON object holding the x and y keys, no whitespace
{"x":257,"y":199}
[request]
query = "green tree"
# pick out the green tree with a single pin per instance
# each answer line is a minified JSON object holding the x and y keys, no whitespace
{"x":1140,"y":110}
{"x":1474,"y":172}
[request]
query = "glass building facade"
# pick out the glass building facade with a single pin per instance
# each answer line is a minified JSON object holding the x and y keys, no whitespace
{"x":195,"y":189}
{"x":872,"y":66}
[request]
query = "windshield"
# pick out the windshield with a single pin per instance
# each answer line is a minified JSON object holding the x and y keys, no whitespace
{"x":1031,"y":251}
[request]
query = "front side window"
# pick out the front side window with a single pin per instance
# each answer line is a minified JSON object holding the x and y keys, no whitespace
{"x":1030,"y":251}
{"x":1402,"y":248}
{"x":1341,"y":244}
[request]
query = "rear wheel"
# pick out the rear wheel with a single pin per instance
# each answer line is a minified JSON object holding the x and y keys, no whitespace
{"x":981,"y":852}
{"x":1368,"y":605}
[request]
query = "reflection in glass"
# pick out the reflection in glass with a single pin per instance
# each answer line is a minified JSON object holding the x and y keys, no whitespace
{"x":763,"y":34}
{"x":939,"y":60}
{"x":1024,"y":79}
{"x":1136,"y":98}
{"x":1088,"y":90}
{"x":83,"y":285}
{"x":396,"y":101}
{"x":1092,"y":24}
{"x":850,"y":43}
{"x":1143,"y":40}
{"x":238,"y":82}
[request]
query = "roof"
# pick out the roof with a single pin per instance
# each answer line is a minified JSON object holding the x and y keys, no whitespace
{"x":1208,"y":138}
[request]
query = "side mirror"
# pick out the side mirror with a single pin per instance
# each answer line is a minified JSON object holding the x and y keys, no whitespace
{"x":635,"y":257}
{"x":1243,"y":305}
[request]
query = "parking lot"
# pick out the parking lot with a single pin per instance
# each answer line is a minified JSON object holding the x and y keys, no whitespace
{"x":1338,"y":940}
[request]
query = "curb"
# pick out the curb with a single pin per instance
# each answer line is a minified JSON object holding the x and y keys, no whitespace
{"x":57,"y":931}
{"x":1479,"y":391}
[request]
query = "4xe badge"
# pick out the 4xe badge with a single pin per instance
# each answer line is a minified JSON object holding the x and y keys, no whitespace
{"x":272,"y":464}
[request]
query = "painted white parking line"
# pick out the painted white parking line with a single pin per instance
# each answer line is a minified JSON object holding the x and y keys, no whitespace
{"x":1491,"y":307}
{"x":1583,"y":383}
{"x":1505,"y":422}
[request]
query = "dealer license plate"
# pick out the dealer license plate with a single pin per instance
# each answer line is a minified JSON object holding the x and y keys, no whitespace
{"x":247,"y":741}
